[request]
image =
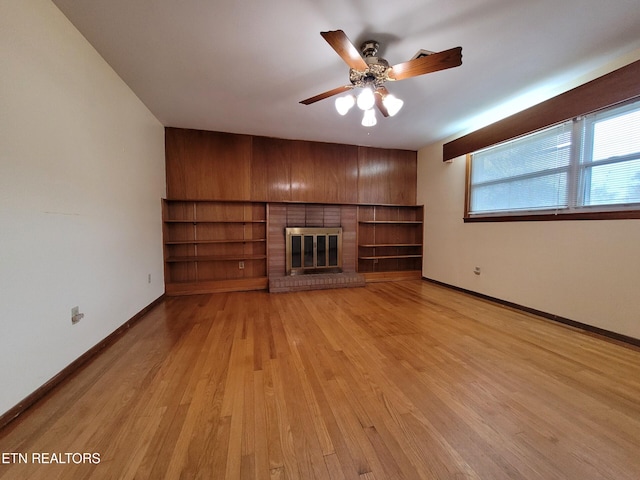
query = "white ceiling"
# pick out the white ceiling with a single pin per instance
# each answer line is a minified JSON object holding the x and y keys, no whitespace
{"x":243,"y":66}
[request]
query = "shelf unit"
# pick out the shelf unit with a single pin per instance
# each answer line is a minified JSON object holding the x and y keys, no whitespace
{"x":214,"y":246}
{"x":390,"y":241}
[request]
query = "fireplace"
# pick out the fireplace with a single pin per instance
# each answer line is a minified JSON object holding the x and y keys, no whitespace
{"x":330,"y":253}
{"x":313,"y":250}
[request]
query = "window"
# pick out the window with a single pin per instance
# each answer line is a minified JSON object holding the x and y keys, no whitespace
{"x":583,"y":166}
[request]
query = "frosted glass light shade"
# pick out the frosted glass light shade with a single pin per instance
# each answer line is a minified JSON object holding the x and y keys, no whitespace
{"x":369,"y":118}
{"x":392,"y":104}
{"x":344,"y":104}
{"x":366,"y":100}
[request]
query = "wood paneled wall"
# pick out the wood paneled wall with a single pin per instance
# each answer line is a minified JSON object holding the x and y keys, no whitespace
{"x":226,"y":166}
{"x":207,"y":165}
{"x":386,"y":176}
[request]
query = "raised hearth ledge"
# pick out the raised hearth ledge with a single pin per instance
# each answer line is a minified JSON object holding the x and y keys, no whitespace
{"x":319,"y":281}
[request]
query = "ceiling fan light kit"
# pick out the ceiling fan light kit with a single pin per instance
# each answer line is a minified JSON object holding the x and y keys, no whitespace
{"x":369,"y":118}
{"x":392,"y":103}
{"x":370,"y":73}
{"x":344,"y":104}
{"x":389,"y":101}
{"x":366,"y":99}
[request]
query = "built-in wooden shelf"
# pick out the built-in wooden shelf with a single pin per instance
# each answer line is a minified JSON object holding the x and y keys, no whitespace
{"x":383,"y":257}
{"x":200,"y":242}
{"x":216,"y":221}
{"x":215,"y":258}
{"x":217,"y":246}
{"x":212,"y":246}
{"x":391,"y":245}
{"x":392,"y":222}
{"x":390,"y":241}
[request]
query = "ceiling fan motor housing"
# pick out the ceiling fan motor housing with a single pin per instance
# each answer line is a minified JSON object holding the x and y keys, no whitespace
{"x":369,"y":48}
{"x":376,"y":73}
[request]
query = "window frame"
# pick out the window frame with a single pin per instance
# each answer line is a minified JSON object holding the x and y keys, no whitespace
{"x":576,"y":187}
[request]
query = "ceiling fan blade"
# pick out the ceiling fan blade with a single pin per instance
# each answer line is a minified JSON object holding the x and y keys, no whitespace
{"x":381,"y":92}
{"x":430,"y":63}
{"x":343,"y":47}
{"x":330,"y":93}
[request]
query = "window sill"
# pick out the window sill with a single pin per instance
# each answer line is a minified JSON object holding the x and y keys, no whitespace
{"x":544,"y":217}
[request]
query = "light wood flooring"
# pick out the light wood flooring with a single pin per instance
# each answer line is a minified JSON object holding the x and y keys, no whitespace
{"x":405,"y":380}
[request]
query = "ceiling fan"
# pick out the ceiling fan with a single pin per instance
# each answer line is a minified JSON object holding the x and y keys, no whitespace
{"x":370,"y":72}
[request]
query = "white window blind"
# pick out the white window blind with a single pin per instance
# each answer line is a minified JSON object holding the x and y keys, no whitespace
{"x":588,"y":163}
{"x":528,"y":173}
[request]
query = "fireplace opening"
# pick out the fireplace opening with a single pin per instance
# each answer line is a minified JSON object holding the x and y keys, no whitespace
{"x":313,"y":250}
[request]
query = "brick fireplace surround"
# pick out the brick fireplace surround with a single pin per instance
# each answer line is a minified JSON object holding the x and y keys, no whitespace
{"x":281,"y":216}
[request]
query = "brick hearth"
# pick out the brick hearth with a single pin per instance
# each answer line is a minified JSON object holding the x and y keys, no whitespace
{"x":295,"y":283}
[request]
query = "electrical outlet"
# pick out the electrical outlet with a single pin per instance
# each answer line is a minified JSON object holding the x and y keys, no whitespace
{"x":477,"y":270}
{"x":149,"y":278}
{"x":241,"y":265}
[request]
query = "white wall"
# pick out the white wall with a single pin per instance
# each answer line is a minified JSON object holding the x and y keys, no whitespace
{"x":587,"y":271}
{"x":81,"y":178}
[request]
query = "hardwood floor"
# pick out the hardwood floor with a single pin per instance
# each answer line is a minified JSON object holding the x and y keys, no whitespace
{"x":405,"y":380}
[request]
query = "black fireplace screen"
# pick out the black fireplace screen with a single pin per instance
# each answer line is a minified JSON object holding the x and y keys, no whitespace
{"x":313,"y":250}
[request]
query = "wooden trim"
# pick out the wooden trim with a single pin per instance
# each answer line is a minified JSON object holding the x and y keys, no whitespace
{"x":467,"y":187}
{"x":74,"y":366}
{"x":388,"y":257}
{"x":372,"y":277}
{"x":618,"y":86}
{"x":291,"y":202}
{"x":617,"y":215}
{"x":601,"y":332}
{"x":215,"y":258}
{"x":217,"y":286}
{"x":267,"y":216}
